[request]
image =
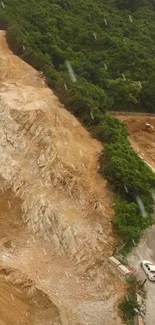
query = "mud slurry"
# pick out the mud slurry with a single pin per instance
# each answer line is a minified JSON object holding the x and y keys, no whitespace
{"x":55,"y":209}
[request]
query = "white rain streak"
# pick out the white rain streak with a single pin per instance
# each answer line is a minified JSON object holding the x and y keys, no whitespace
{"x":2,"y":3}
{"x":134,"y":242}
{"x":140,"y":85}
{"x":44,"y":251}
{"x":127,"y":298}
{"x":123,"y":76}
{"x":92,"y":116}
{"x":130,"y":18}
{"x":41,"y":183}
{"x":153,"y":195}
{"x":34,"y":240}
{"x":12,"y":296}
{"x":141,"y":206}
{"x":2,"y":190}
{"x":65,"y":86}
{"x":9,"y":204}
{"x":71,"y":71}
{"x":124,"y":41}
{"x":95,"y":36}
{"x":126,"y":189}
{"x":106,"y":68}
{"x":105,"y":21}
{"x":66,"y":274}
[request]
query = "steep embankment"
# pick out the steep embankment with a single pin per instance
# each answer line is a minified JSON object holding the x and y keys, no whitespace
{"x":55,"y":208}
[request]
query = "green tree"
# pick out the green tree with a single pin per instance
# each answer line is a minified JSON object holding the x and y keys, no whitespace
{"x":15,"y":40}
{"x":129,"y":222}
{"x":128,"y":4}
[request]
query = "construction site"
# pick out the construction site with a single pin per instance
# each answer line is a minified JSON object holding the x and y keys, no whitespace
{"x":55,"y":208}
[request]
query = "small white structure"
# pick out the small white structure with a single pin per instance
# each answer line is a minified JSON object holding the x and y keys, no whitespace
{"x":114,"y":261}
{"x":123,"y":270}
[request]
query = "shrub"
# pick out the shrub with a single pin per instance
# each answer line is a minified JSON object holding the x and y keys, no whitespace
{"x":129,"y":221}
{"x":127,"y":307}
{"x":15,"y":39}
{"x":129,"y":176}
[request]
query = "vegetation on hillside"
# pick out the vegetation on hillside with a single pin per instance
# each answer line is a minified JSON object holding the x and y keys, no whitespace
{"x":130,"y":177}
{"x":129,"y":305}
{"x":110,"y":45}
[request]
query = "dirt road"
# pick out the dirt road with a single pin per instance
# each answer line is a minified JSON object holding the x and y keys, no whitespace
{"x":146,"y":251}
{"x":55,"y":209}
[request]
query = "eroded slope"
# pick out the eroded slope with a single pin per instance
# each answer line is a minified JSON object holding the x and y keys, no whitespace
{"x":55,"y":207}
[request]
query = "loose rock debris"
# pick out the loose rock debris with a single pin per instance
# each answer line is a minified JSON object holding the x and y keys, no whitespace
{"x":51,"y":219}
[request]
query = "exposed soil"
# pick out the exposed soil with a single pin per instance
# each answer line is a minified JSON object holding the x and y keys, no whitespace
{"x":55,"y":209}
{"x":22,"y":304}
{"x":143,"y":142}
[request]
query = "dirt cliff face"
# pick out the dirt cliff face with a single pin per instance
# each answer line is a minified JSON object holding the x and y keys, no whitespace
{"x":55,"y":209}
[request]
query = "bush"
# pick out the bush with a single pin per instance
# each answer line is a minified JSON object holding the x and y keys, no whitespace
{"x":125,"y":168}
{"x":110,"y":129}
{"x":129,"y":176}
{"x":127,"y":307}
{"x":4,"y":21}
{"x":15,"y":39}
{"x":129,"y":220}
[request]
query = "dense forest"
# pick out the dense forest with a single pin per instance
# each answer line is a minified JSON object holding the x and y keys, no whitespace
{"x":109,"y":43}
{"x":98,"y":56}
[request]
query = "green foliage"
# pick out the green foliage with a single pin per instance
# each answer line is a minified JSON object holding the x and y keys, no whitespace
{"x":121,"y":165}
{"x":110,"y":129}
{"x":4,"y":21}
{"x":125,"y":168}
{"x":136,"y":286}
{"x":108,"y":52}
{"x":14,"y":38}
{"x":129,"y":220}
{"x":127,"y":307}
{"x":129,"y":176}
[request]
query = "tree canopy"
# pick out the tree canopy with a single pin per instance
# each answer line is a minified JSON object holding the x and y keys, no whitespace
{"x":110,"y":45}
